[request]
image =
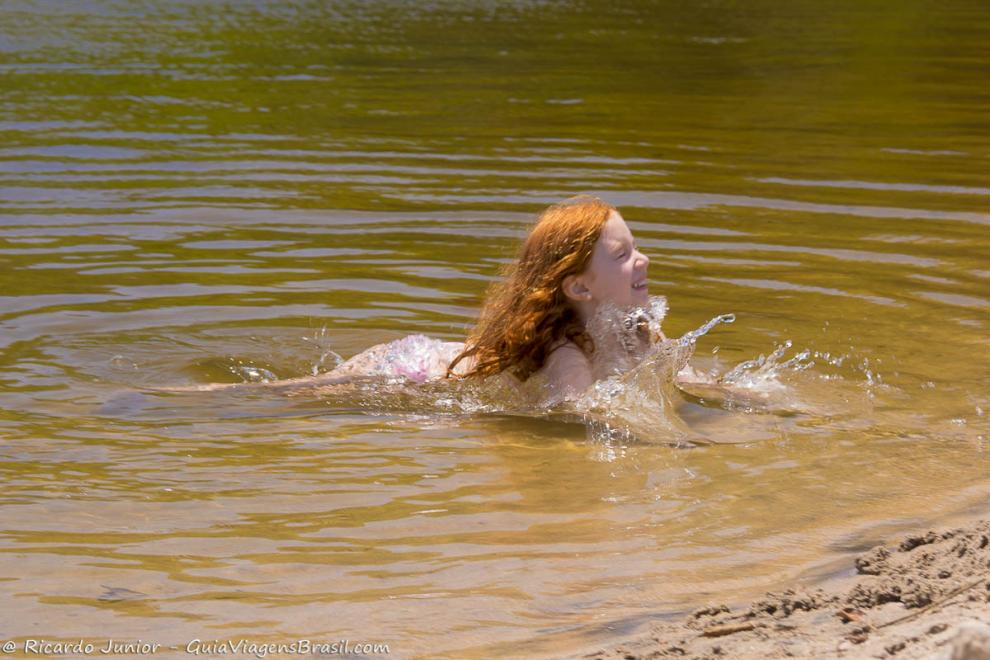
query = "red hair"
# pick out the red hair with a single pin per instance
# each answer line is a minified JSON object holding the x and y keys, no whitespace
{"x":526,"y":315}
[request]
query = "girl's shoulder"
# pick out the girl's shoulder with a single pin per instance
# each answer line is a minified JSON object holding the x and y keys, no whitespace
{"x":567,"y":371}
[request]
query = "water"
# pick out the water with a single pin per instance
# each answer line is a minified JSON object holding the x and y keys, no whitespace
{"x":203,"y":192}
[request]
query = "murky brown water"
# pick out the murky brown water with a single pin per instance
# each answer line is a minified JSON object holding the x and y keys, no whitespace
{"x":192,"y":192}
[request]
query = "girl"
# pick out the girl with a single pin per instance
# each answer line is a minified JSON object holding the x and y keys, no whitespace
{"x":537,"y":324}
{"x":545,"y":324}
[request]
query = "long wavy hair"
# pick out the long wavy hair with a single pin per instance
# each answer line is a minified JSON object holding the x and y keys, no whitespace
{"x":526,"y":314}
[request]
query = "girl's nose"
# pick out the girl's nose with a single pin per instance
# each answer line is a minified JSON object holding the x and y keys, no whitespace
{"x":644,"y":260}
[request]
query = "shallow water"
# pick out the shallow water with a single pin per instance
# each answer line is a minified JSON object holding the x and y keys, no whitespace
{"x":194,"y":192}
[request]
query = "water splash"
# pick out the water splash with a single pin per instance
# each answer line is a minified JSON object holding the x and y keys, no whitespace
{"x":693,"y":335}
{"x":321,"y":340}
{"x":622,"y":338}
{"x":635,"y":395}
{"x":763,"y":373}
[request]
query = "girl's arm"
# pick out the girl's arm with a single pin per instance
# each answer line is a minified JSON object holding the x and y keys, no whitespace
{"x":286,"y":384}
{"x":359,"y":367}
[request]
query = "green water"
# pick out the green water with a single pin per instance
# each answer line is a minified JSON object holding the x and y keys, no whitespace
{"x":190,"y":191}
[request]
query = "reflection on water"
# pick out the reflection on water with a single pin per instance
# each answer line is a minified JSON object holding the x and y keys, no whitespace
{"x":194,"y":193}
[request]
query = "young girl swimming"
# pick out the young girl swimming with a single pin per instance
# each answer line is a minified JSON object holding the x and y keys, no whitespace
{"x":538,"y":322}
{"x":571,"y":311}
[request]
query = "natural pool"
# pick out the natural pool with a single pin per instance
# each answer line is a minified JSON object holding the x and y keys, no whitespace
{"x":193,"y":192}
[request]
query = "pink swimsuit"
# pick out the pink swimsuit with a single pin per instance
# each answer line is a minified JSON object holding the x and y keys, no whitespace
{"x":416,"y":357}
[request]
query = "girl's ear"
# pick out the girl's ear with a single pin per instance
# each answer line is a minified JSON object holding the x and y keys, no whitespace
{"x":575,"y":289}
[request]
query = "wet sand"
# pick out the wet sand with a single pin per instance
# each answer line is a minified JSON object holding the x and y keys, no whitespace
{"x":923,"y":595}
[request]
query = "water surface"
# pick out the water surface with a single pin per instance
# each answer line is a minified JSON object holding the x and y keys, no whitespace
{"x":196,"y":192}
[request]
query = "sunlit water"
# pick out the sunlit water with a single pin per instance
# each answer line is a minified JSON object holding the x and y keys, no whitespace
{"x":195,"y":193}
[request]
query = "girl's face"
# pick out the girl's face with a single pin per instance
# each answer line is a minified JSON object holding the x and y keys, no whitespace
{"x":617,"y":271}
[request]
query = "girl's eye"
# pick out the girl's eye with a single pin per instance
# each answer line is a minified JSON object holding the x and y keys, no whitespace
{"x":621,"y":255}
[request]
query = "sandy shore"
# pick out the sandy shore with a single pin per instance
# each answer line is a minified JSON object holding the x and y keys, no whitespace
{"x":924,"y":595}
